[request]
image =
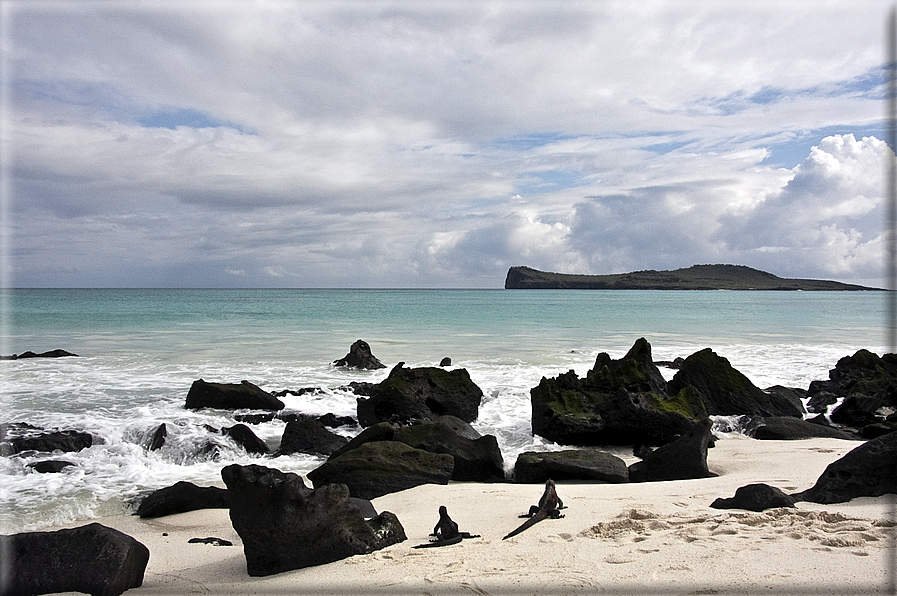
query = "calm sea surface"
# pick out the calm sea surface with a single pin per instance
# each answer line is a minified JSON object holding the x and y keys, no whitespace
{"x":139,"y":351}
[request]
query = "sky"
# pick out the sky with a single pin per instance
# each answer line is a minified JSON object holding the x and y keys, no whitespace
{"x":324,"y":143}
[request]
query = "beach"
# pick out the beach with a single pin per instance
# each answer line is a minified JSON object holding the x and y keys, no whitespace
{"x":649,"y":538}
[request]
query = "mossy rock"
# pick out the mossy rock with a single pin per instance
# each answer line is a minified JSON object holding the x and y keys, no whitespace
{"x":725,"y":391}
{"x":619,"y":402}
{"x":475,"y":459}
{"x":426,"y":393}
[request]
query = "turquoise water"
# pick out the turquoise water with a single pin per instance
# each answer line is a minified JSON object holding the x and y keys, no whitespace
{"x":139,"y":351}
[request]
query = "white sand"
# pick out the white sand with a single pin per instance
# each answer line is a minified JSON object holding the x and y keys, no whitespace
{"x":651,"y":538}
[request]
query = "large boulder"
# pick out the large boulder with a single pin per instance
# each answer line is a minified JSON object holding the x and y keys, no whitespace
{"x":360,"y":356}
{"x":382,"y":431}
{"x":409,"y":394}
{"x":475,"y":459}
{"x":868,"y":384}
{"x":376,"y":469}
{"x":230,"y":396}
{"x":285,"y":525}
{"x":755,"y":497}
{"x":869,"y":470}
{"x":727,"y":392}
{"x":309,"y":435}
{"x":572,"y":464}
{"x":95,"y":559}
{"x":619,"y":402}
{"x":683,"y":459}
{"x":786,"y":428}
{"x":181,"y":497}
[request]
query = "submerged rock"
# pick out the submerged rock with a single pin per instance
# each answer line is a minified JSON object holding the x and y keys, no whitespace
{"x":284,"y":525}
{"x":19,"y":437}
{"x":360,"y":356}
{"x":230,"y":396}
{"x":30,"y":354}
{"x":94,"y":559}
{"x":245,"y":438}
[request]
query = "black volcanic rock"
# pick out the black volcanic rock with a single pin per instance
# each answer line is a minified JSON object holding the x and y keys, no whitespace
{"x":19,"y":438}
{"x":245,"y":438}
{"x":284,"y":525}
{"x":868,"y":384}
{"x":727,"y":392}
{"x":95,"y":559}
{"x":619,"y":402}
{"x":50,"y":466}
{"x":869,"y":470}
{"x":360,"y":356}
{"x":309,"y":435}
{"x":30,"y":354}
{"x":755,"y":497}
{"x":182,"y":497}
{"x":230,"y":396}
{"x":426,"y":393}
{"x":375,"y":469}
{"x":683,"y":459}
{"x":786,"y":428}
{"x":475,"y":459}
{"x":571,"y":464}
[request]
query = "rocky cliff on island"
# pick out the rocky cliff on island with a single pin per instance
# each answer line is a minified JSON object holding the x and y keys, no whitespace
{"x":696,"y":277}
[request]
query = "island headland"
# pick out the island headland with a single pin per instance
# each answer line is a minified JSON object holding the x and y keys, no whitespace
{"x":696,"y":277}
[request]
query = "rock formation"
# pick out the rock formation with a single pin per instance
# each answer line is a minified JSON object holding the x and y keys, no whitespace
{"x":284,"y":525}
{"x":360,"y":356}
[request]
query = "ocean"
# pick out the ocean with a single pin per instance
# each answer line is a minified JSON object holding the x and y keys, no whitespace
{"x":139,"y":350}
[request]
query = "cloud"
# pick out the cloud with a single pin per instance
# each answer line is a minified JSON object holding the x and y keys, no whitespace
{"x":419,"y":144}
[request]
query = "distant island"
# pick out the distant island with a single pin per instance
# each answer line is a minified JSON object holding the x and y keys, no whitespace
{"x":696,"y":277}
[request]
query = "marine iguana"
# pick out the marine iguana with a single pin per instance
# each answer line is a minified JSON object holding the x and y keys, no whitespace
{"x":549,"y":506}
{"x":446,"y":531}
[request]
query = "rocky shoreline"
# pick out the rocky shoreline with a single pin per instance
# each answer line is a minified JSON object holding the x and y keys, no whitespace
{"x":416,"y":432}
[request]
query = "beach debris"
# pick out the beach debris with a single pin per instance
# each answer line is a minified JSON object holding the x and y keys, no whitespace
{"x":285,"y":525}
{"x":230,"y":396}
{"x":360,"y":356}
{"x":211,"y":540}
{"x":755,"y":497}
{"x":446,"y":531}
{"x":549,"y":507}
{"x":94,"y":559}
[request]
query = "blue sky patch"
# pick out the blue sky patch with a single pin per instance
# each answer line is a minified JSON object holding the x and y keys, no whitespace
{"x":175,"y":117}
{"x":791,"y":153}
